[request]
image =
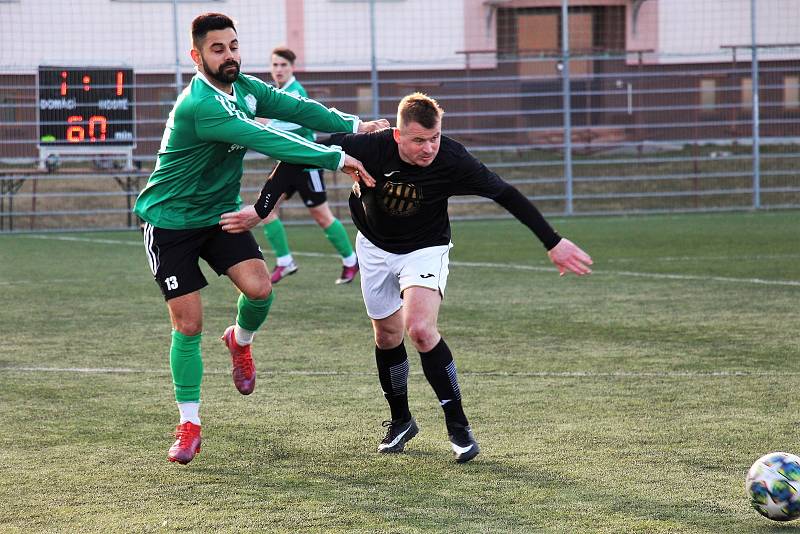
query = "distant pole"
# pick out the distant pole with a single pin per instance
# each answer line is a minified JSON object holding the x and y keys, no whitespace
{"x":756,"y":117}
{"x":178,"y":79}
{"x":567,"y":106}
{"x":373,"y":63}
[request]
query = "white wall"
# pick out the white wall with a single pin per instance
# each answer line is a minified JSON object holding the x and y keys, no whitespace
{"x":692,"y":31}
{"x":137,"y":34}
{"x":410,"y":33}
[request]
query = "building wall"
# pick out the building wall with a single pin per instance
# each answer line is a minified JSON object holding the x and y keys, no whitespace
{"x":141,"y":35}
{"x":330,"y":35}
{"x":689,"y":31}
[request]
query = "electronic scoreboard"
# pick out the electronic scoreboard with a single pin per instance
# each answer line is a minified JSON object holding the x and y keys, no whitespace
{"x":85,"y":107}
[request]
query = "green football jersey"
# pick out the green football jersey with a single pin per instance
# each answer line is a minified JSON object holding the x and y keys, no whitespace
{"x":294,"y":88}
{"x":198,"y":173}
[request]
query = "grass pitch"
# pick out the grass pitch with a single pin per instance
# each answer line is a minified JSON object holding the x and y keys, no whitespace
{"x":633,"y":400}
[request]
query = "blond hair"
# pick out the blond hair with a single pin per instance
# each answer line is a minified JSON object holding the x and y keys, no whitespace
{"x":419,"y":108}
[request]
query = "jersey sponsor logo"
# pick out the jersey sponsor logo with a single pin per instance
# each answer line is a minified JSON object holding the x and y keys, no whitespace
{"x":250,"y":100}
{"x":401,"y":199}
{"x":429,"y":275}
{"x":387,"y":174}
{"x":234,"y":147}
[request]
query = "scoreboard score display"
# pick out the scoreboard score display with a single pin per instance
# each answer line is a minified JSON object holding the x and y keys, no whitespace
{"x":84,"y":107}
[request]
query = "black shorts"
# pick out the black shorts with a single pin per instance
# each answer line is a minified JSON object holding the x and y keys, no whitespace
{"x":310,"y":183}
{"x":174,"y":255}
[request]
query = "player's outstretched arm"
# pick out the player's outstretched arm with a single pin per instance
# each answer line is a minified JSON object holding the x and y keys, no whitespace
{"x":568,"y":256}
{"x":248,"y":217}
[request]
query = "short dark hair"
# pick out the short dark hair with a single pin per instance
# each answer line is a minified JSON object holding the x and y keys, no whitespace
{"x":419,"y":108}
{"x":285,"y":53}
{"x":202,"y":24}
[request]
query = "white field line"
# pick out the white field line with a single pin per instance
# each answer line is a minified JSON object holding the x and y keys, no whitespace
{"x":663,"y":276}
{"x":490,"y":265}
{"x":749,"y":257}
{"x":529,"y":374}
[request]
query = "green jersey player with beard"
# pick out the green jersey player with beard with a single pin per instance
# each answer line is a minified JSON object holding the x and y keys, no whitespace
{"x":196,"y":179}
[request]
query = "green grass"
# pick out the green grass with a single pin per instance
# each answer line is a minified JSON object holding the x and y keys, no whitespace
{"x":633,"y":400}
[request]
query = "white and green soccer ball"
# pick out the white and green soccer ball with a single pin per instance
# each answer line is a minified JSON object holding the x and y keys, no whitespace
{"x":773,"y":486}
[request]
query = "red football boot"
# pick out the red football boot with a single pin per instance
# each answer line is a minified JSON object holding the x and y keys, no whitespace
{"x":244,"y":370}
{"x":282,"y":271}
{"x":348,"y":273}
{"x":187,"y":444}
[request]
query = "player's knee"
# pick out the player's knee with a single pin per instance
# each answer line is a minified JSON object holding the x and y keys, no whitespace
{"x":423,"y":335}
{"x":259,"y":291}
{"x":189,"y":327}
{"x":323,"y":218}
{"x":386,"y":339}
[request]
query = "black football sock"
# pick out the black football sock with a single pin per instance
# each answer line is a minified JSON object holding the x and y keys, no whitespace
{"x":393,"y":374}
{"x":440,"y":370}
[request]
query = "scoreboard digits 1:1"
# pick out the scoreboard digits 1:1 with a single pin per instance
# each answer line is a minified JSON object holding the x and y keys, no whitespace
{"x":86,"y":106}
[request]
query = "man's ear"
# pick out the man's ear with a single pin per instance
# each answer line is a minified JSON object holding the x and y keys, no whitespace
{"x":195,"y":56}
{"x":396,"y":134}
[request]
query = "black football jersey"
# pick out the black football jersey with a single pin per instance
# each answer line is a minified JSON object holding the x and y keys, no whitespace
{"x":407,"y":208}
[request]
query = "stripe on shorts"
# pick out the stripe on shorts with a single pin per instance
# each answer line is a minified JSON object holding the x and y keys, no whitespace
{"x":152,"y":253}
{"x":316,"y":182}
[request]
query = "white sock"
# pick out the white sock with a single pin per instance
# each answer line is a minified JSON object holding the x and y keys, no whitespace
{"x":350,"y":260}
{"x":284,"y":261}
{"x":190,"y":411}
{"x":243,"y":337}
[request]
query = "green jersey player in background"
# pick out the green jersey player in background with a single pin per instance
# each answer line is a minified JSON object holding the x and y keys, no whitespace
{"x":309,"y":183}
{"x":196,"y":179}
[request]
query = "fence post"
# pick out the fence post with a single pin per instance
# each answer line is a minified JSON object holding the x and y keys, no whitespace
{"x":376,"y":108}
{"x":567,"y":107}
{"x":176,"y":36}
{"x":756,"y":116}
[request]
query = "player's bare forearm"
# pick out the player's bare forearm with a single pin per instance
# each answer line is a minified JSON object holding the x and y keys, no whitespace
{"x":568,"y":256}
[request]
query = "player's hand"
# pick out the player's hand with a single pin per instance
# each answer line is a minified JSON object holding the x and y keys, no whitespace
{"x":240,"y":221}
{"x":357,"y":172}
{"x":372,"y":126}
{"x":567,"y":256}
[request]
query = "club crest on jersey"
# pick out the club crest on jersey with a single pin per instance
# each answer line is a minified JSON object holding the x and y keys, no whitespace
{"x":250,"y":100}
{"x":401,"y":199}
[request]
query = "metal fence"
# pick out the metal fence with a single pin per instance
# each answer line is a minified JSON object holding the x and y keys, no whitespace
{"x":636,"y":106}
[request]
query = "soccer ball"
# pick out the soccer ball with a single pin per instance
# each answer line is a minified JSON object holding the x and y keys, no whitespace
{"x":773,"y":486}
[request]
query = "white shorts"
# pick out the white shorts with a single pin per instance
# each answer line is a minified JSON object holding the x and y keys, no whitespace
{"x":384,"y":276}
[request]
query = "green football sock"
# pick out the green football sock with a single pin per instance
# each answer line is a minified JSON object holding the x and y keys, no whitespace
{"x":338,"y":237}
{"x":187,"y":366}
{"x":276,"y":235}
{"x":253,"y":313}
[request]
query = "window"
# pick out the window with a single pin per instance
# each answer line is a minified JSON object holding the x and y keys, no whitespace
{"x":791,"y":92}
{"x":708,"y":94}
{"x":747,"y":93}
